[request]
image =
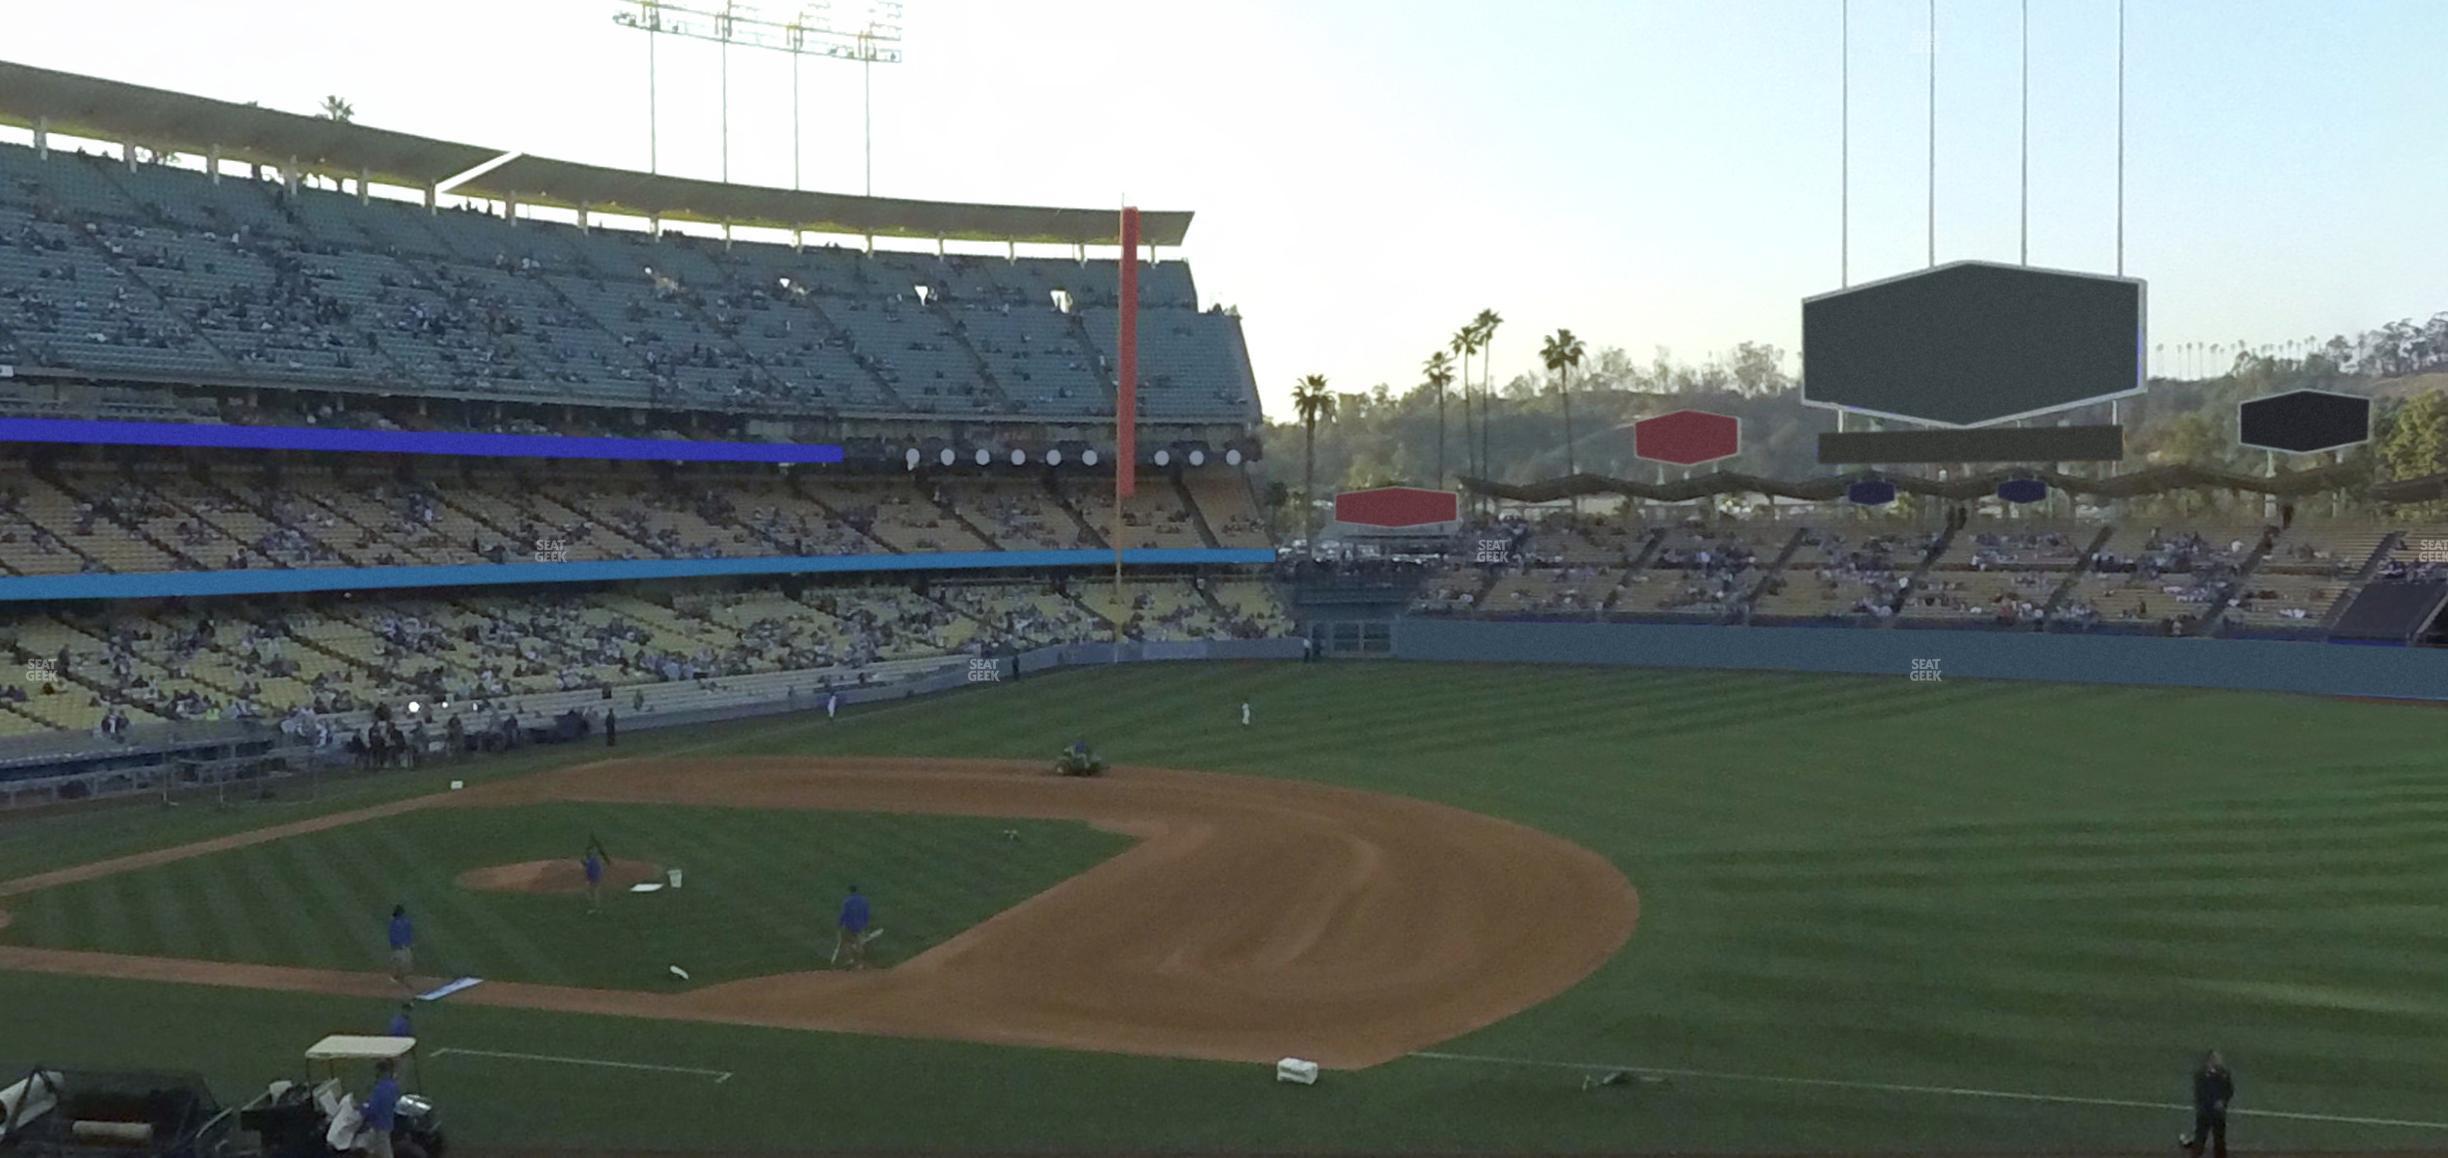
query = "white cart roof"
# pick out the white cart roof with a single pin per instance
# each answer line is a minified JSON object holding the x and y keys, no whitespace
{"x":354,"y":1047}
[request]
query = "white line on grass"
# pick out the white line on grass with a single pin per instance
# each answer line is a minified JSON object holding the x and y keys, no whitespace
{"x":719,"y":1076}
{"x":1944,"y":1091}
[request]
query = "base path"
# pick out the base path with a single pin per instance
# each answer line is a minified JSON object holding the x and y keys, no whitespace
{"x":1254,"y":918}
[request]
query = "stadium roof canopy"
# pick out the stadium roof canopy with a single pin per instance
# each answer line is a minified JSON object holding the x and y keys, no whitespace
{"x":110,"y":110}
{"x":569,"y":185}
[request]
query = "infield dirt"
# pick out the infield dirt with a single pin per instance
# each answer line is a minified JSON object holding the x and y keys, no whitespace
{"x":1253,"y":919}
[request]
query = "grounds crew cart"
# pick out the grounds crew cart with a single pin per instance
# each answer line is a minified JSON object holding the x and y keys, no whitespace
{"x":71,"y":1113}
{"x":318,"y":1117}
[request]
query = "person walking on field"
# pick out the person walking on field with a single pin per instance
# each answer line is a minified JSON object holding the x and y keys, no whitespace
{"x":611,"y":728}
{"x":403,"y":947}
{"x":594,"y":865}
{"x":381,"y":1110}
{"x":2213,"y":1088}
{"x":851,"y":933}
{"x":1245,"y":713}
{"x":400,"y":1026}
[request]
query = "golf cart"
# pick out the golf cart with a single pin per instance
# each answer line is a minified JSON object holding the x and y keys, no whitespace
{"x":54,"y":1113}
{"x":1077,"y":760}
{"x":318,"y":1117}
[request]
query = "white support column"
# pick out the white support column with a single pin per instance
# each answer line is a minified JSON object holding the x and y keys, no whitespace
{"x":726,"y":237}
{"x":939,"y":250}
{"x":654,"y":226}
{"x":212,"y":163}
{"x":127,"y":151}
{"x":430,"y":210}
{"x":798,"y":241}
{"x":584,"y":211}
{"x":364,"y":175}
{"x":289,"y":175}
{"x":1011,"y":251}
{"x":510,"y":207}
{"x":42,"y":138}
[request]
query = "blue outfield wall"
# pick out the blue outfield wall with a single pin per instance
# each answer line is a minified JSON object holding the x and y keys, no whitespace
{"x":2243,"y":664}
{"x":164,"y":584}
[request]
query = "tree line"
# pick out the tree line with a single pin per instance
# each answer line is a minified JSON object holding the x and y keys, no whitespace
{"x":1577,"y":412}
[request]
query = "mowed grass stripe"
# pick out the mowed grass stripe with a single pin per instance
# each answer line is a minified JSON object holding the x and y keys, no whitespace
{"x":225,"y":896}
{"x":264,"y":886}
{"x":343,"y":928}
{"x":704,"y":924}
{"x":459,"y":928}
{"x":171,"y":920}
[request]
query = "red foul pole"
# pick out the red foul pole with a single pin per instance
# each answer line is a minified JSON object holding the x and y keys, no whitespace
{"x":1126,"y":408}
{"x":1126,"y":353}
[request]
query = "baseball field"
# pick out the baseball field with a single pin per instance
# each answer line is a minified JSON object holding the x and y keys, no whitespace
{"x":1816,"y":912}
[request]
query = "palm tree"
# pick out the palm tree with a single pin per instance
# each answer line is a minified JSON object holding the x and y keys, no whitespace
{"x":1312,"y":401}
{"x":1562,"y":355}
{"x":1484,"y":328}
{"x":1463,"y":344}
{"x":336,"y":109}
{"x":1439,"y":371}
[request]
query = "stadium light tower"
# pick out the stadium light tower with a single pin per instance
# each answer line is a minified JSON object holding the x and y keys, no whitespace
{"x":866,"y":31}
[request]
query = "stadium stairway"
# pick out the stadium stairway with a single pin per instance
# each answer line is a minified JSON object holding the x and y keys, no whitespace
{"x":1635,"y":566}
{"x":1741,"y":611}
{"x":2378,"y":558}
{"x":2074,"y":575}
{"x":933,"y":495}
{"x":836,"y":332}
{"x":1198,"y":518}
{"x":454,"y":500}
{"x":1088,"y":532}
{"x":833,"y":514}
{"x":1206,"y":594}
{"x":996,"y":396}
{"x":1091,"y":355}
{"x":2213,"y":618}
{"x":1920,"y":574}
{"x":556,"y":510}
{"x":105,"y":514}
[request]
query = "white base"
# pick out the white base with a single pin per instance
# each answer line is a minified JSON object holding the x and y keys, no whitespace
{"x":1293,"y":1069}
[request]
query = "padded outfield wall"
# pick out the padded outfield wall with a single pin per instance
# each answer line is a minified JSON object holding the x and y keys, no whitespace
{"x":2240,"y":664}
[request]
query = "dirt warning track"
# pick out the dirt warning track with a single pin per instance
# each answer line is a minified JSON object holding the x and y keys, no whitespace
{"x":1253,"y":919}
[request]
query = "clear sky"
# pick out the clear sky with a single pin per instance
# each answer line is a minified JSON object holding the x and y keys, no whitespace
{"x":1369,"y":173}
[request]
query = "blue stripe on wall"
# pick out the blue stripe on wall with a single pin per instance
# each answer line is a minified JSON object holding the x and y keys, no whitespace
{"x":160,"y":585}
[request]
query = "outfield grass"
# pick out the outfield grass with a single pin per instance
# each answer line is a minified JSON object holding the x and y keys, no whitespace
{"x":2039,"y":889}
{"x":759,"y":895}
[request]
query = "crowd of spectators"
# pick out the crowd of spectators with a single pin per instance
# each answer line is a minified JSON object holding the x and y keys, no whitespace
{"x":297,"y":664}
{"x":306,"y":286}
{"x":245,"y":518}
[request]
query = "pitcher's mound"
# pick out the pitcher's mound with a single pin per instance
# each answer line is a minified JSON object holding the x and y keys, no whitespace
{"x":557,"y":876}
